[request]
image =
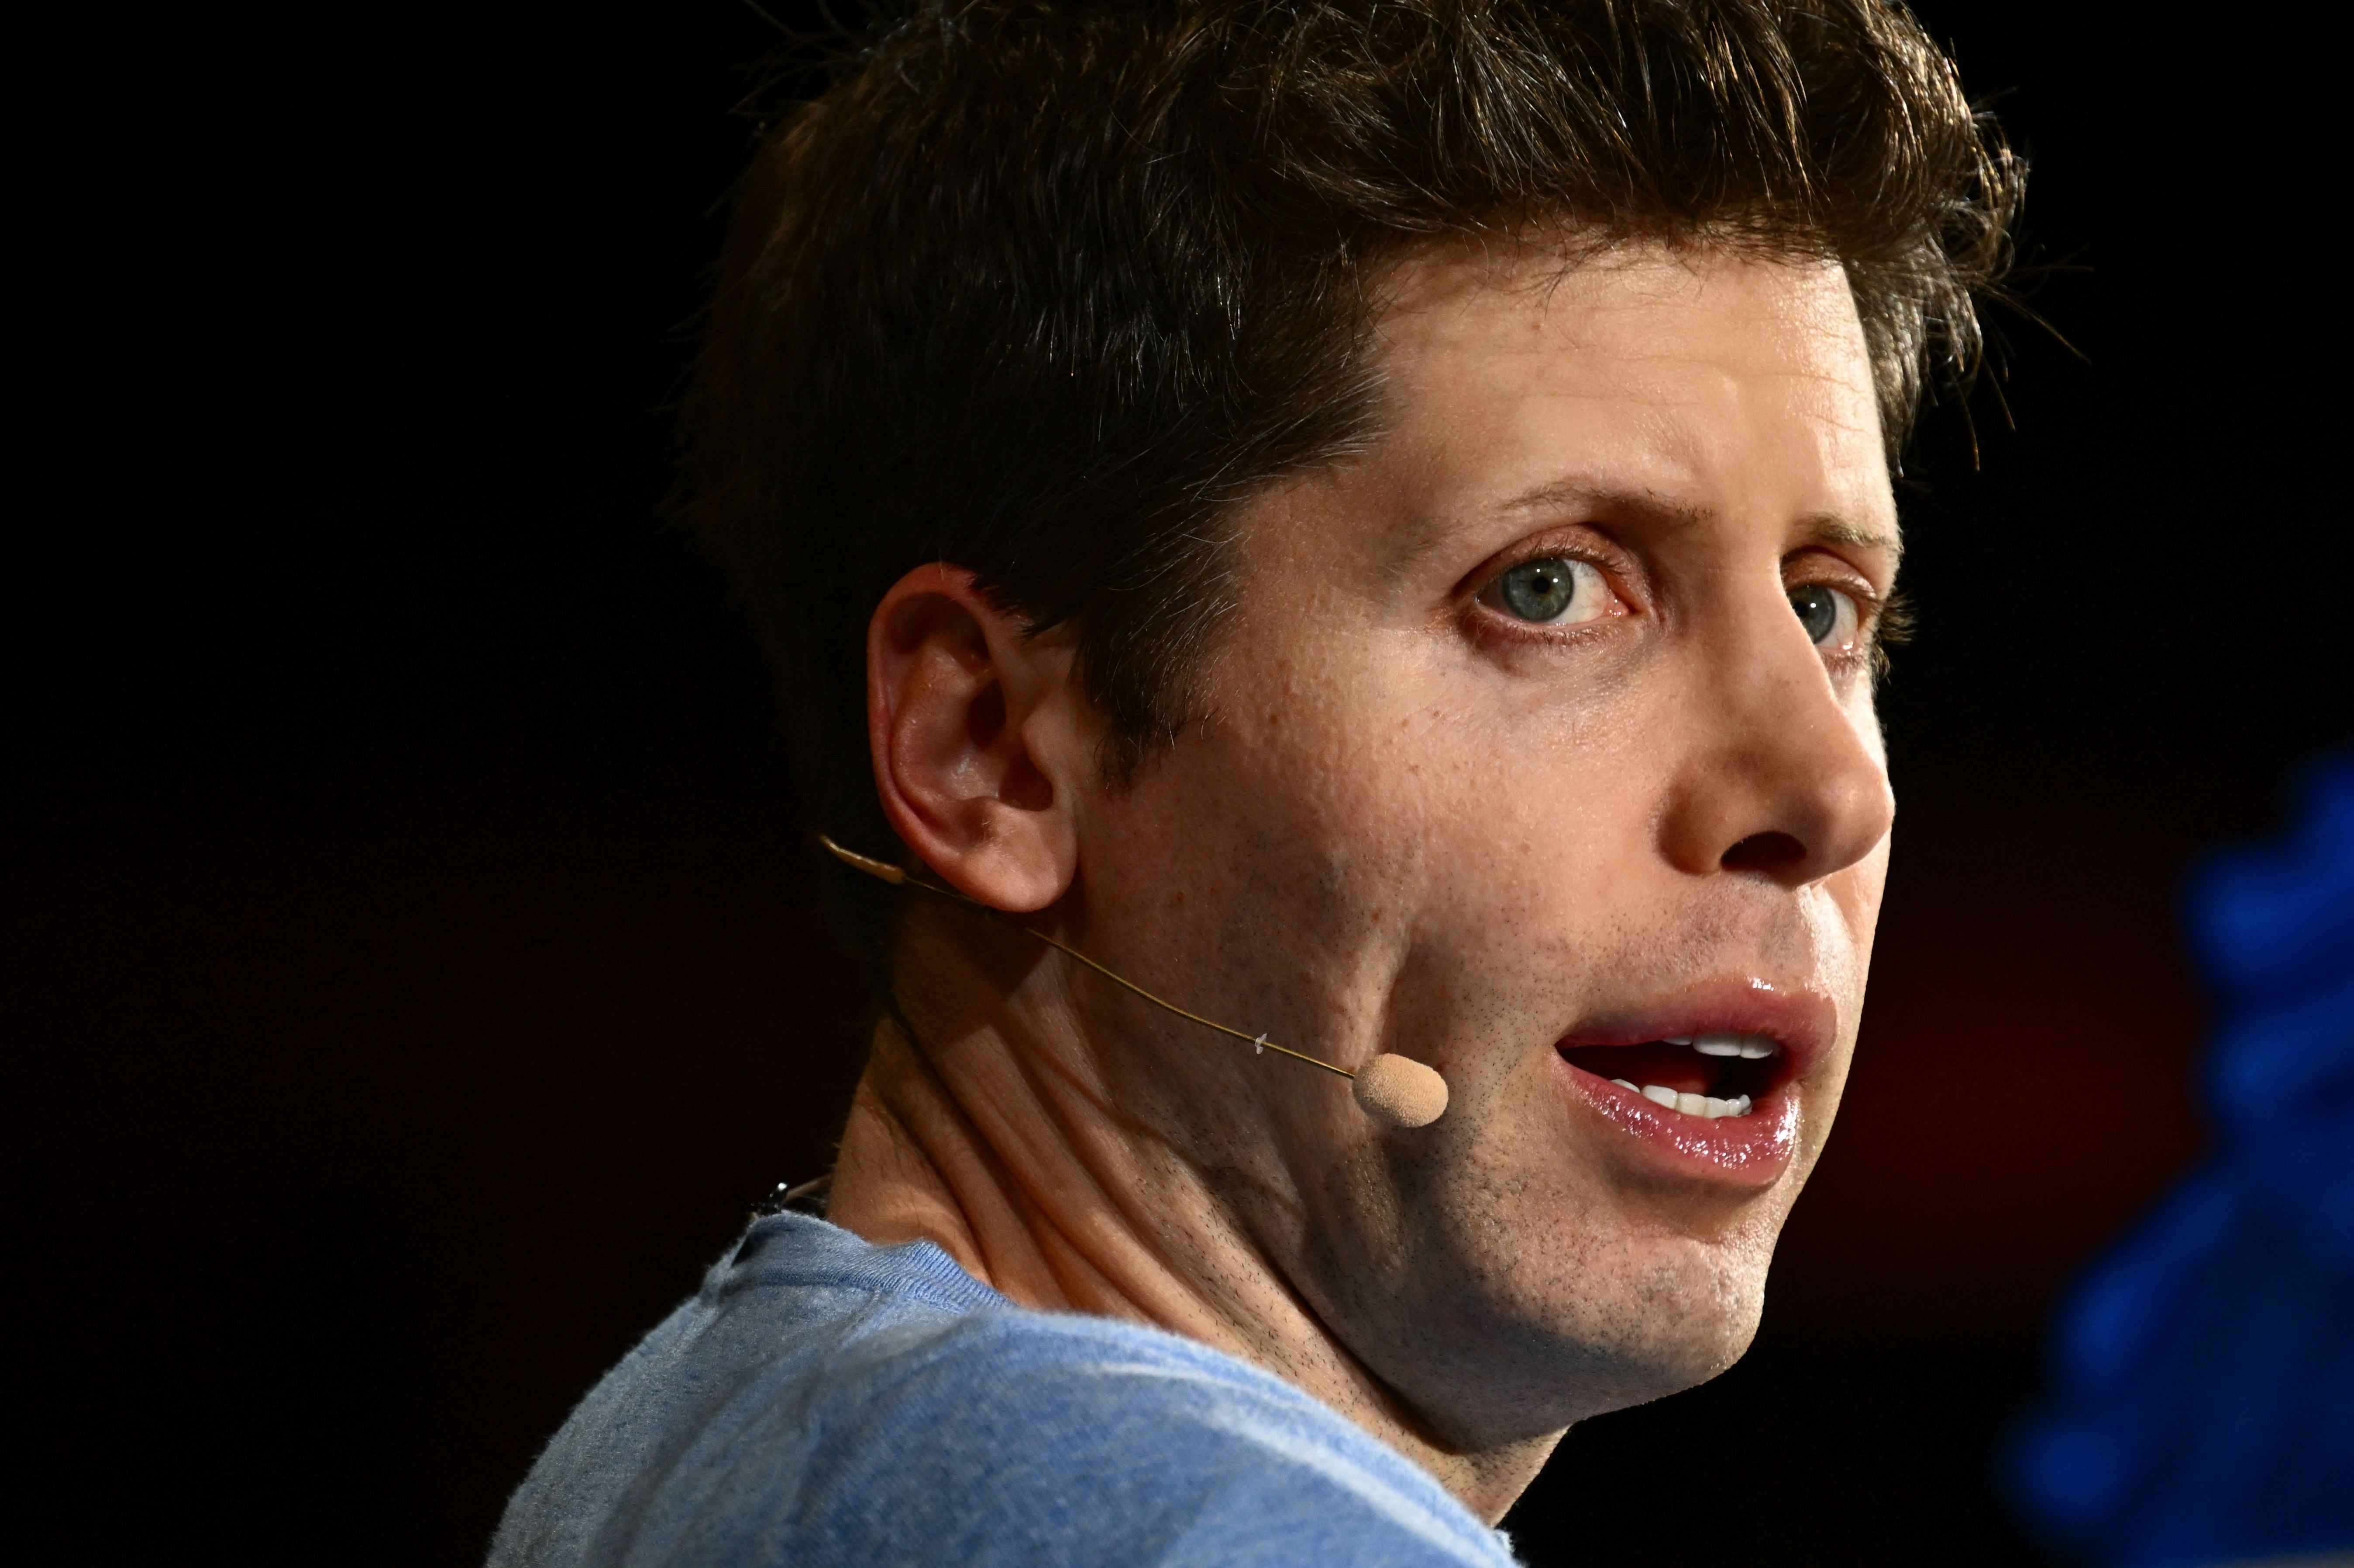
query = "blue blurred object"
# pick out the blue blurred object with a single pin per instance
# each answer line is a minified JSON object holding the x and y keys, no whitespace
{"x":2203,"y":1403}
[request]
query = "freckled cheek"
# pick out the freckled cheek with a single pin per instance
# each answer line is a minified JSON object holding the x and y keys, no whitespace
{"x":1351,"y":748}
{"x":1431,"y":802}
{"x":1519,"y":860}
{"x":1302,"y":791}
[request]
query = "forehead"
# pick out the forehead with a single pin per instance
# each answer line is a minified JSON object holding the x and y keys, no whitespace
{"x":1705,"y":381}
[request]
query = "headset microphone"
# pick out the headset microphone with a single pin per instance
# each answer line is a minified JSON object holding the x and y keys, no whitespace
{"x":1396,"y":1091}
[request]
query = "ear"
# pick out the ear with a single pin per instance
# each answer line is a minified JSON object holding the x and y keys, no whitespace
{"x":978,"y":738}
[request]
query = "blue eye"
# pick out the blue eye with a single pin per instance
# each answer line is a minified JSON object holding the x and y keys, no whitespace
{"x":1553,"y":590}
{"x":1829,"y":616}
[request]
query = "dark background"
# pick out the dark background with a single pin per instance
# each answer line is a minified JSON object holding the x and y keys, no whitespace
{"x":407,"y":981}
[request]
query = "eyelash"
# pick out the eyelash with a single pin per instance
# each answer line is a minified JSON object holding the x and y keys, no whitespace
{"x":1614,"y":573}
{"x":1882,"y":621}
{"x":1498,"y":621}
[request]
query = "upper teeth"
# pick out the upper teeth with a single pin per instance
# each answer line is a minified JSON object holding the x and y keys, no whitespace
{"x":1749,"y":1047}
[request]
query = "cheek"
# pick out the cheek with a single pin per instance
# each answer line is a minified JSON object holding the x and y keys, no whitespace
{"x":1845,"y":907}
{"x":1329,"y":821}
{"x":1424,"y":810}
{"x":1540,"y":821}
{"x":1275,"y":855}
{"x":1864,"y":712}
{"x":1857,"y":889}
{"x":1463,"y":866}
{"x":1391,"y":848}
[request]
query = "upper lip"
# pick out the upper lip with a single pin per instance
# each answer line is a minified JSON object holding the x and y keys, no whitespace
{"x":1799,"y":1019}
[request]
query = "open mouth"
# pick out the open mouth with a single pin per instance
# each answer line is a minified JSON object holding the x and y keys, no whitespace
{"x":1707,"y":1075}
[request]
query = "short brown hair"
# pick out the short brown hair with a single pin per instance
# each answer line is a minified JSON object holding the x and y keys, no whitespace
{"x":1042,"y":286}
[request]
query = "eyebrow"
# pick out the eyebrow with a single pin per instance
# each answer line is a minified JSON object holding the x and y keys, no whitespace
{"x":1577,"y":493}
{"x":1833,"y":529}
{"x":1826,"y":528}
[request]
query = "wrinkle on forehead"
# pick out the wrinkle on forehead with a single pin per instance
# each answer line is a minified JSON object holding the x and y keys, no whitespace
{"x":1636,"y":377}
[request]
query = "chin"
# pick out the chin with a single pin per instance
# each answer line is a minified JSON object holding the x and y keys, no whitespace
{"x":1673,"y":1356}
{"x":1531,"y":1334}
{"x":1665,"y":1324}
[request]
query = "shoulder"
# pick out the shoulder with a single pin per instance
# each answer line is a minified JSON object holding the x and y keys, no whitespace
{"x":824,"y":1401}
{"x":1042,"y":1439}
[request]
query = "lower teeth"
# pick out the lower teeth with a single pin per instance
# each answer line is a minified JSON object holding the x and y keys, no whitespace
{"x":1705,"y":1105}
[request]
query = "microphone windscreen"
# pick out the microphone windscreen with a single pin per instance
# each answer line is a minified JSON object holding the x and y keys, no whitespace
{"x":1398,"y":1091}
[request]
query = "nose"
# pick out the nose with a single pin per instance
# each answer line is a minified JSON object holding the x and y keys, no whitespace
{"x":1777,"y":779}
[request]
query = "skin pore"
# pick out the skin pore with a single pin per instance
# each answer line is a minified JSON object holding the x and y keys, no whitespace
{"x":1544,"y":718}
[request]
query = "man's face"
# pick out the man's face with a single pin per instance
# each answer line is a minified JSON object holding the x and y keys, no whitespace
{"x":1540,"y":740}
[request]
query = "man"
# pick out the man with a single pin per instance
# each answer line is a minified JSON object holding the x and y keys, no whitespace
{"x":1369,"y":520}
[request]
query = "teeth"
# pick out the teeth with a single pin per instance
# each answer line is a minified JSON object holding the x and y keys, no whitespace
{"x":1748,"y":1047}
{"x":1678,"y":1040}
{"x":1705,"y":1105}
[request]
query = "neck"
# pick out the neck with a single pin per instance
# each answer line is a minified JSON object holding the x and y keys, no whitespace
{"x":986,"y":1127}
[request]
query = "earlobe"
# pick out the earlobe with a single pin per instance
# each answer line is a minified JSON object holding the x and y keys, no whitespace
{"x":970,"y":722}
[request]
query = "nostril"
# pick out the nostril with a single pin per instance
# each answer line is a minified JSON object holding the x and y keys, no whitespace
{"x":1773,"y":854}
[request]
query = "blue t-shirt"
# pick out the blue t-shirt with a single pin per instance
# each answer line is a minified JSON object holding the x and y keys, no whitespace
{"x":823,"y":1401}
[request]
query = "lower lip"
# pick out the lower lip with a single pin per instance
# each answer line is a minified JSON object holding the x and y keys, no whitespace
{"x":1750,"y":1151}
